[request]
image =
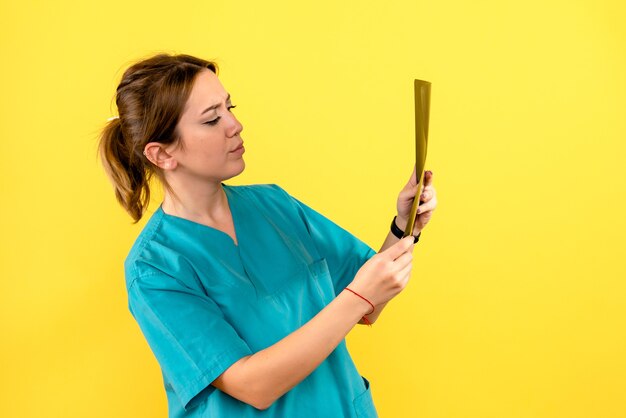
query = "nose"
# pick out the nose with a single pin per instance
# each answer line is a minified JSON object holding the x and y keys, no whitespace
{"x":234,"y":127}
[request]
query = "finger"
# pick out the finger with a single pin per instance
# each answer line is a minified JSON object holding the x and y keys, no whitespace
{"x":426,"y":196}
{"x":430,"y":194}
{"x":402,"y":261}
{"x":421,"y":223}
{"x":405,"y":274}
{"x":428,"y":178}
{"x":430,"y":189}
{"x":427,"y":207}
{"x":399,"y":248}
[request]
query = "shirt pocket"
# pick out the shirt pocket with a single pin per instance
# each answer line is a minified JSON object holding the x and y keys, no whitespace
{"x":364,"y":404}
{"x":321,"y":281}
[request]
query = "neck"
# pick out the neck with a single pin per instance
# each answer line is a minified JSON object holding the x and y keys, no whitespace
{"x":203,"y":202}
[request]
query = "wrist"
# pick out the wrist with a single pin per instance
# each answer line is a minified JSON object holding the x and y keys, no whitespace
{"x":401,"y":222}
{"x":398,"y":232}
{"x":367,"y":307}
{"x":353,"y":307}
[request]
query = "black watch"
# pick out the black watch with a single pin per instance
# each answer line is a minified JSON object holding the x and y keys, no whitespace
{"x":398,"y":233}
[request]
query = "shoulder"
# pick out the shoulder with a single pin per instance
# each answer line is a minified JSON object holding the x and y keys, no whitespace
{"x":132,"y":263}
{"x":153,"y":255}
{"x":272,"y":201}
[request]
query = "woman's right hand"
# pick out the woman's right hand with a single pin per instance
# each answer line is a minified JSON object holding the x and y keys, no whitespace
{"x":261,"y":378}
{"x":386,"y":274}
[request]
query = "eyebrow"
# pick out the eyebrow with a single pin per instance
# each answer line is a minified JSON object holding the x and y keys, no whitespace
{"x":215,"y":106}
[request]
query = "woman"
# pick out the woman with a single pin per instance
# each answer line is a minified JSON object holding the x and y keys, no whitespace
{"x":244,"y":294}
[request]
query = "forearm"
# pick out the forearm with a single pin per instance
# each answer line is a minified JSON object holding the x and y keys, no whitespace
{"x":390,"y":240}
{"x":265,"y":376}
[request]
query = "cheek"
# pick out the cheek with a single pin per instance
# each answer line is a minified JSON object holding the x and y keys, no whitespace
{"x":207,"y":157}
{"x":215,"y":151}
{"x":206,"y":145}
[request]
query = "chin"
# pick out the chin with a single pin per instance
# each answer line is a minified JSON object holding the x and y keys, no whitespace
{"x":236,"y":171}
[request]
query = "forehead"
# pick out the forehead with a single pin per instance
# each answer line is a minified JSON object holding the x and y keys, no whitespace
{"x":206,"y":91}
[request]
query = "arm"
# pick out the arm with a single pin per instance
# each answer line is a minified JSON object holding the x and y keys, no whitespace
{"x":263,"y":377}
{"x":428,"y":204}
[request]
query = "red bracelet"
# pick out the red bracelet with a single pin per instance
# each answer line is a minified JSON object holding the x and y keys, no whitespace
{"x":371,"y":304}
{"x":367,"y":321}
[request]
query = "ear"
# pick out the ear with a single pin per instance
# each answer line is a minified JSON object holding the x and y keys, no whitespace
{"x":155,"y":152}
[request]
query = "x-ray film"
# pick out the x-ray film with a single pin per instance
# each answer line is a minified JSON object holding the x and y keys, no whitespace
{"x":422,"y":112}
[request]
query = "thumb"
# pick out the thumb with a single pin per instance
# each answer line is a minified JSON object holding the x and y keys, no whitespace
{"x":399,"y":248}
{"x":413,"y":179}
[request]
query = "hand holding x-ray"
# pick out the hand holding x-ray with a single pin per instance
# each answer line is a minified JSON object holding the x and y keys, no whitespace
{"x":422,"y":114}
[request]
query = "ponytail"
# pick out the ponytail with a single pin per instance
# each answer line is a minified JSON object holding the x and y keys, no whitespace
{"x":126,"y":171}
{"x":150,"y":100}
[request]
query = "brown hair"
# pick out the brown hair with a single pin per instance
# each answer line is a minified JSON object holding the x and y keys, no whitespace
{"x":150,"y":100}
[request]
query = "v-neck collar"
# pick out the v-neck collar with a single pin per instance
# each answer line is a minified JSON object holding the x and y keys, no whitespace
{"x":232,"y":207}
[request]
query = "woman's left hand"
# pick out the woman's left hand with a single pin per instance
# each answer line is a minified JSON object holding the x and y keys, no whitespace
{"x":428,"y":203}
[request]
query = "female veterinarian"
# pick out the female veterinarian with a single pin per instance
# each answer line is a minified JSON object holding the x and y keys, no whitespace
{"x":244,"y":294}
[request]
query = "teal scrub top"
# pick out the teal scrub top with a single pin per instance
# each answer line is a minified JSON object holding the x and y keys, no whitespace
{"x":203,"y":302}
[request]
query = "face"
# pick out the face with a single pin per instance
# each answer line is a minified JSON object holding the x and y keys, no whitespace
{"x":210,"y":134}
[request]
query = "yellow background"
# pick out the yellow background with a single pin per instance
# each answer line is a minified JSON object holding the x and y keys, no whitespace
{"x":517,"y":305}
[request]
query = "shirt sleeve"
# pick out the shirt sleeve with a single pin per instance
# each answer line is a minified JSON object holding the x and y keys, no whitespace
{"x":186,"y":331}
{"x":344,"y":253}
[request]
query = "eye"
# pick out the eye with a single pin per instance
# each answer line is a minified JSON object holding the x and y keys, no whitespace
{"x":214,"y":121}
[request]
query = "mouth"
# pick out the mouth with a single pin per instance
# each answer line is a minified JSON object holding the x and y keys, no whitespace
{"x":238,"y":148}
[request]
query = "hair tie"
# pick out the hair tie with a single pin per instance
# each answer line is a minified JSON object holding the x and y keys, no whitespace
{"x":112,"y":117}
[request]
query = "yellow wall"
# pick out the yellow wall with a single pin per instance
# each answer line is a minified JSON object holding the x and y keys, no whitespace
{"x":517,"y":303}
